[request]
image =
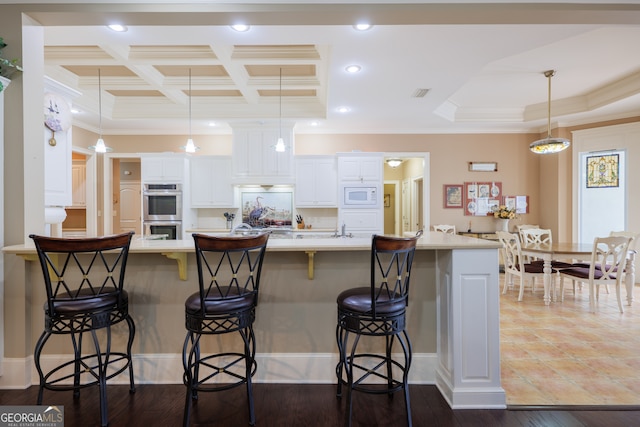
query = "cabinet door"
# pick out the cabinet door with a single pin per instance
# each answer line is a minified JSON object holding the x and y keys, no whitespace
{"x":210,"y":184}
{"x":152,"y":169}
{"x":360,"y":168}
{"x":305,"y":183}
{"x":173,"y":169}
{"x":316,"y":182}
{"x":362,"y":220}
{"x":162,"y":169}
{"x":326,"y":183}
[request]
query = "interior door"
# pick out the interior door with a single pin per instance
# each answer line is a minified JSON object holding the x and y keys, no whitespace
{"x":406,"y":206}
{"x":130,"y":208}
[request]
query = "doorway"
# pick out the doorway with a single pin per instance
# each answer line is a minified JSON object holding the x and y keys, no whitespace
{"x":408,"y":190}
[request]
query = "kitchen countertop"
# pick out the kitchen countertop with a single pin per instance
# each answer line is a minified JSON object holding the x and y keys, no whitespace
{"x":429,"y":241}
{"x":310,"y":245}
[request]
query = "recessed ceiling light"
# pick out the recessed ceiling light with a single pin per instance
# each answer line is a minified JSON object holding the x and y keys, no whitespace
{"x":118,"y":27}
{"x":213,"y":124}
{"x":353,"y":68}
{"x":75,"y":111}
{"x":241,"y":28}
{"x":314,"y":123}
{"x":343,"y":109}
{"x":362,"y":26}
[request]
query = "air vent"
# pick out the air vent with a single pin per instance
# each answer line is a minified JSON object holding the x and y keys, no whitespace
{"x":420,"y":93}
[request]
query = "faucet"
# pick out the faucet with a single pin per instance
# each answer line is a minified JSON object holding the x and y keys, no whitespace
{"x":343,"y":230}
{"x":243,"y":226}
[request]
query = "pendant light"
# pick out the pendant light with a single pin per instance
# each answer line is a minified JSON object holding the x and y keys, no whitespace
{"x":190,"y":147}
{"x":100,"y":147}
{"x":280,"y":147}
{"x":549,"y":144}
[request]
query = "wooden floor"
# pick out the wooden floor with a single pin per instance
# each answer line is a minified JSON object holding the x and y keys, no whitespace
{"x":284,"y":405}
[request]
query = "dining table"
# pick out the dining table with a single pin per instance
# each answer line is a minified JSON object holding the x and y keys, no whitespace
{"x":574,"y":251}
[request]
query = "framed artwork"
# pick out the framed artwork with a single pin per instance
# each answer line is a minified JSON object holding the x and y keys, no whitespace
{"x":519,"y":203}
{"x":387,"y":200}
{"x":479,"y":198}
{"x":603,"y":171}
{"x":452,"y":196}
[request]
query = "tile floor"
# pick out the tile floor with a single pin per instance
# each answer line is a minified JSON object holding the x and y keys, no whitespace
{"x":563,"y":354}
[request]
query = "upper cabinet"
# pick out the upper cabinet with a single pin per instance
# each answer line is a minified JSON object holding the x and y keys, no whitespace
{"x":165,"y":169}
{"x":210,"y":183}
{"x":360,"y":167}
{"x":255,"y":160}
{"x":316,"y":182}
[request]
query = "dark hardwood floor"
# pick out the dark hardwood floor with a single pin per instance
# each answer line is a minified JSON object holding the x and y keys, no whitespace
{"x":284,"y":405}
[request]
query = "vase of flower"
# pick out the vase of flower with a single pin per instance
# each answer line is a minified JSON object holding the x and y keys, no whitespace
{"x":503,"y":225}
{"x":503,"y":214}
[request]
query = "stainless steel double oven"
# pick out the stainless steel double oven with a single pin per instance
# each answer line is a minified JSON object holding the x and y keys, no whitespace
{"x":162,"y":207}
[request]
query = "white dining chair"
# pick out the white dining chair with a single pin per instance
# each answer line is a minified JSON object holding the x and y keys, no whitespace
{"x":632,"y":247}
{"x":606,"y":268}
{"x":514,"y":265}
{"x":540,"y":237}
{"x":445,"y":228}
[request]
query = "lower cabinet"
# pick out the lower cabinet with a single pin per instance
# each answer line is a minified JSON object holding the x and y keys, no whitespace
{"x":361,"y":220}
{"x":210,"y":183}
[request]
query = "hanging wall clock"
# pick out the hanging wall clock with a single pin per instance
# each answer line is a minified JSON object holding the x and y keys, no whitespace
{"x":57,"y":116}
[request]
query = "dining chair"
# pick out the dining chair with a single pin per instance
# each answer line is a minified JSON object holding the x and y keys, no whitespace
{"x":84,"y":283}
{"x":525,"y":226}
{"x":607,"y":263}
{"x":514,"y":265}
{"x":229,"y":269}
{"x":632,"y":246}
{"x":445,"y":228}
{"x":377,"y":310}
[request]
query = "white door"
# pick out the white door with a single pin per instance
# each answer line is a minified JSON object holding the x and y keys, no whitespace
{"x":602,"y":194}
{"x":130,"y":208}
{"x":406,"y":206}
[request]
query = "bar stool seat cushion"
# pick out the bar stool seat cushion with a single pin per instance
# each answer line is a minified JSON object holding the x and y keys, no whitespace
{"x":215,"y":303}
{"x":358,"y":300}
{"x":86,"y":302}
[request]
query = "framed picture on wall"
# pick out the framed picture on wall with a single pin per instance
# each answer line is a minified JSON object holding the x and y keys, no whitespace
{"x":480,"y":197}
{"x":452,"y":194}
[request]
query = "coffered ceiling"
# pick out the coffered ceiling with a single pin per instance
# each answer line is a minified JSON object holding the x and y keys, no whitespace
{"x":464,"y":73}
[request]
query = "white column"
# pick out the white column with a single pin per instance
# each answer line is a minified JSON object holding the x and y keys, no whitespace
{"x":5,"y":84}
{"x":468,"y":304}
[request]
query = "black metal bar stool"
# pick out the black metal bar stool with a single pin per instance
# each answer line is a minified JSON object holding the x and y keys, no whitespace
{"x":377,"y":310}
{"x":84,"y":281}
{"x":229,"y":271}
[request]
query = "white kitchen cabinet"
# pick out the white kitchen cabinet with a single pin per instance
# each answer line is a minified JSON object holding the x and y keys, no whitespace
{"x":255,"y":160}
{"x":210,"y":184}
{"x":361,"y":220}
{"x":164,"y":169}
{"x":316,"y":182}
{"x":78,"y":184}
{"x":360,"y":167}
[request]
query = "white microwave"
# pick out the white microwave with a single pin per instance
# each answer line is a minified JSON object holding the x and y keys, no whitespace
{"x":359,"y":196}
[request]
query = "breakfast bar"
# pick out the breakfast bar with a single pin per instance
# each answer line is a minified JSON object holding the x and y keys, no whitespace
{"x":453,"y":313}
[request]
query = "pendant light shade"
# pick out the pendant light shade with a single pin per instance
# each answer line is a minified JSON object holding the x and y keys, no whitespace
{"x":549,"y":144}
{"x":280,"y":146}
{"x":190,"y":147}
{"x":100,"y":146}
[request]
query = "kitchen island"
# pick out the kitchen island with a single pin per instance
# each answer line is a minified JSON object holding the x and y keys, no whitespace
{"x":453,"y":313}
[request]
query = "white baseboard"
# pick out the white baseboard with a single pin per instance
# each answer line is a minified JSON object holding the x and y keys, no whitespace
{"x":299,"y":368}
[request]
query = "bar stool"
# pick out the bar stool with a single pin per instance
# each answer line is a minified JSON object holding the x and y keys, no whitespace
{"x":229,"y":271}
{"x":377,"y":310}
{"x":84,"y":281}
